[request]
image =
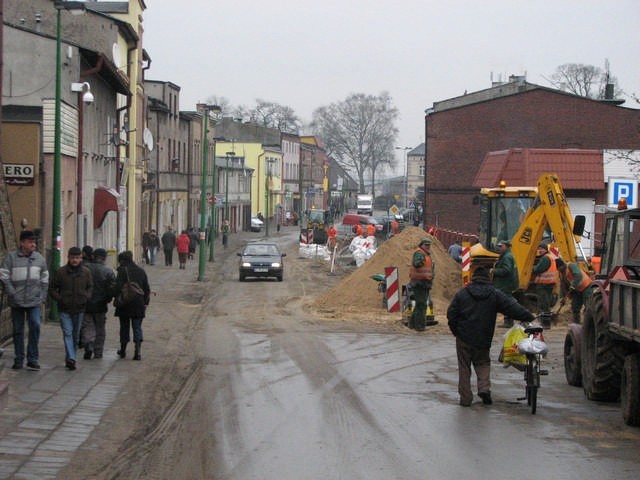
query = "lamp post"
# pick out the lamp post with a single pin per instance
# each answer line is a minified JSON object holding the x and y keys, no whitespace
{"x":267,"y":190}
{"x":203,"y":191}
{"x":226,"y":187}
{"x":406,"y":176}
{"x":75,"y":8}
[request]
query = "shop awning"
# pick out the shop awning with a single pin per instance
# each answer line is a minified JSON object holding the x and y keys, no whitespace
{"x":105,"y":200}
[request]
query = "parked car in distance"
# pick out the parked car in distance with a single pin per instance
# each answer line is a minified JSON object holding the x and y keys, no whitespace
{"x":261,"y":259}
{"x":256,"y":224}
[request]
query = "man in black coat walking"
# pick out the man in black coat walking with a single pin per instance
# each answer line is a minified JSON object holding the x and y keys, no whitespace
{"x":472,"y":320}
{"x":131,"y":314}
{"x":93,"y":324}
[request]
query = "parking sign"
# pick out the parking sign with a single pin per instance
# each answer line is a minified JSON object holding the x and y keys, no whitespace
{"x":620,"y":188}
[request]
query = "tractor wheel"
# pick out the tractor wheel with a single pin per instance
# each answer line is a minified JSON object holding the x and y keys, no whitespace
{"x":601,"y":356}
{"x":630,"y":390}
{"x":572,"y":368}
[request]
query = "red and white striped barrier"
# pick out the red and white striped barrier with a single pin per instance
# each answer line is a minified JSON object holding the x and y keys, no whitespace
{"x":306,"y":236}
{"x":466,"y":259}
{"x":393,"y":294}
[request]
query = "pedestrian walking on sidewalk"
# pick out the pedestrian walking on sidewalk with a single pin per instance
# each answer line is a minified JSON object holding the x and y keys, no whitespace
{"x":132,"y":314}
{"x":182,"y":244}
{"x":93,"y":325}
{"x":225,"y":233}
{"x":71,"y":287}
{"x":154,"y":245}
{"x":25,"y":278}
{"x":472,"y":320}
{"x":168,"y":244}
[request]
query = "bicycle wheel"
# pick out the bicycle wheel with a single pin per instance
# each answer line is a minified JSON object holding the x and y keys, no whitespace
{"x":528,"y":380}
{"x":535,"y":383}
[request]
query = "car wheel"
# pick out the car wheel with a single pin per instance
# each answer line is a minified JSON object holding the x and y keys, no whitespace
{"x":279,"y":277}
{"x":241,"y":277}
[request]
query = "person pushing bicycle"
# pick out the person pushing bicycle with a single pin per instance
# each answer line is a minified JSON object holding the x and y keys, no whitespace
{"x":472,"y":320}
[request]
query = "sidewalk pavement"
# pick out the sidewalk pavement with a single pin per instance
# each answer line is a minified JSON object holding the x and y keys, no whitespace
{"x":46,"y":416}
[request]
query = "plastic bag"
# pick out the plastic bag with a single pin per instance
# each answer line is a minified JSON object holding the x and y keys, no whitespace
{"x":510,"y":351}
{"x":533,"y":345}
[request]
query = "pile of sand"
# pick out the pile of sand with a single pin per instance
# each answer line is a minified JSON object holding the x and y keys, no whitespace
{"x":357,"y":297}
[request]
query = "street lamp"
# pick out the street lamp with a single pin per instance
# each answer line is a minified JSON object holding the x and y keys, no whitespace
{"x":406,"y":175}
{"x":226,"y":187}
{"x":203,"y":191}
{"x":76,"y":8}
{"x":267,"y":189}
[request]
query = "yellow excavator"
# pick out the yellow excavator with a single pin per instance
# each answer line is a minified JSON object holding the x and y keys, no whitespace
{"x":527,"y":216}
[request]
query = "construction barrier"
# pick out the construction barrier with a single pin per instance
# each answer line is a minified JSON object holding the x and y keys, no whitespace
{"x":392,"y":292}
{"x":306,"y":236}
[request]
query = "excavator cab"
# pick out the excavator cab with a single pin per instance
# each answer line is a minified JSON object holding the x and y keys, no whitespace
{"x":502,"y":211}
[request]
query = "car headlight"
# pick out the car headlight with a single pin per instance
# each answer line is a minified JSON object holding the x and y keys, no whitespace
{"x":276,"y":265}
{"x":246,"y":264}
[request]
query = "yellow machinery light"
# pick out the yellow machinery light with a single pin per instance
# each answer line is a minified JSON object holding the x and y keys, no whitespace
{"x":503,"y":184}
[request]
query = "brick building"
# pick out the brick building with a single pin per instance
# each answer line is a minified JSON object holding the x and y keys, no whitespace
{"x":462,"y":130}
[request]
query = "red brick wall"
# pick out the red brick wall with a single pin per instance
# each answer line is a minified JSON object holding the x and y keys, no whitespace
{"x":458,"y":139}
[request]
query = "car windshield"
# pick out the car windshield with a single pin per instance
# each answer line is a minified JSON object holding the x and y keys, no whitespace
{"x":261,"y":250}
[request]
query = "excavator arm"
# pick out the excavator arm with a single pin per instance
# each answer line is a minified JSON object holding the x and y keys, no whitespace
{"x":550,"y":208}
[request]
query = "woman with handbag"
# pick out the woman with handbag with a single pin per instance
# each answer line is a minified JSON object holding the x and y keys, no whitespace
{"x":130,"y":306}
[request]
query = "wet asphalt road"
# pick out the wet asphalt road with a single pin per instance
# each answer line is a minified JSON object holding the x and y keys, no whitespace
{"x":287,"y":397}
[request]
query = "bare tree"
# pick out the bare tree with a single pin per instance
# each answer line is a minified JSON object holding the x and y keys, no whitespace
{"x":584,"y":80}
{"x":359,"y":132}
{"x":630,"y":157}
{"x":274,"y":115}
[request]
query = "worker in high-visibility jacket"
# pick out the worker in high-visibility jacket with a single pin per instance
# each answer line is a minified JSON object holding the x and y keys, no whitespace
{"x":421,"y":274}
{"x":574,"y":283}
{"x":371,"y":230}
{"x":546,"y":280}
{"x":332,"y":233}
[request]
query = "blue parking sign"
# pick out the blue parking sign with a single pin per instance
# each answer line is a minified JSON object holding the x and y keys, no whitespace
{"x":620,"y":188}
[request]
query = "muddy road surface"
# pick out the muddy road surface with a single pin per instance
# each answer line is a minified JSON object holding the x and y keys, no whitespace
{"x":251,"y":384}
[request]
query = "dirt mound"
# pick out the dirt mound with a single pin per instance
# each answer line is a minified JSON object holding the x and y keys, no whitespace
{"x":357,"y":294}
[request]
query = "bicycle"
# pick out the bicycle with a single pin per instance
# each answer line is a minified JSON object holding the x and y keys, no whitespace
{"x":532,"y":371}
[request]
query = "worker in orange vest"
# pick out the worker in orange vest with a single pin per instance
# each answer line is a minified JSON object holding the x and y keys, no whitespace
{"x":371,"y":230}
{"x":546,"y":280}
{"x":357,"y":229}
{"x":574,"y":283}
{"x":421,"y":275}
{"x":395,"y":227}
{"x":332,"y":232}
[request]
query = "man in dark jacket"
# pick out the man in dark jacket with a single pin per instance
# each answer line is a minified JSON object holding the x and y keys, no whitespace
{"x":505,"y":275}
{"x":71,"y":287}
{"x":131,"y":315}
{"x":168,"y":245}
{"x":93,"y":331}
{"x":472,"y":320}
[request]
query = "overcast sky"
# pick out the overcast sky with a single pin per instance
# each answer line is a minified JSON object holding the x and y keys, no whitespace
{"x":310,"y":53}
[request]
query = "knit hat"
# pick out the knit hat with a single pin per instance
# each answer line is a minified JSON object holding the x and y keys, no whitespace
{"x":100,"y":252}
{"x":425,"y":241}
{"x":74,"y":251}
{"x":543,"y":246}
{"x":27,"y":235}
{"x":480,"y":272}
